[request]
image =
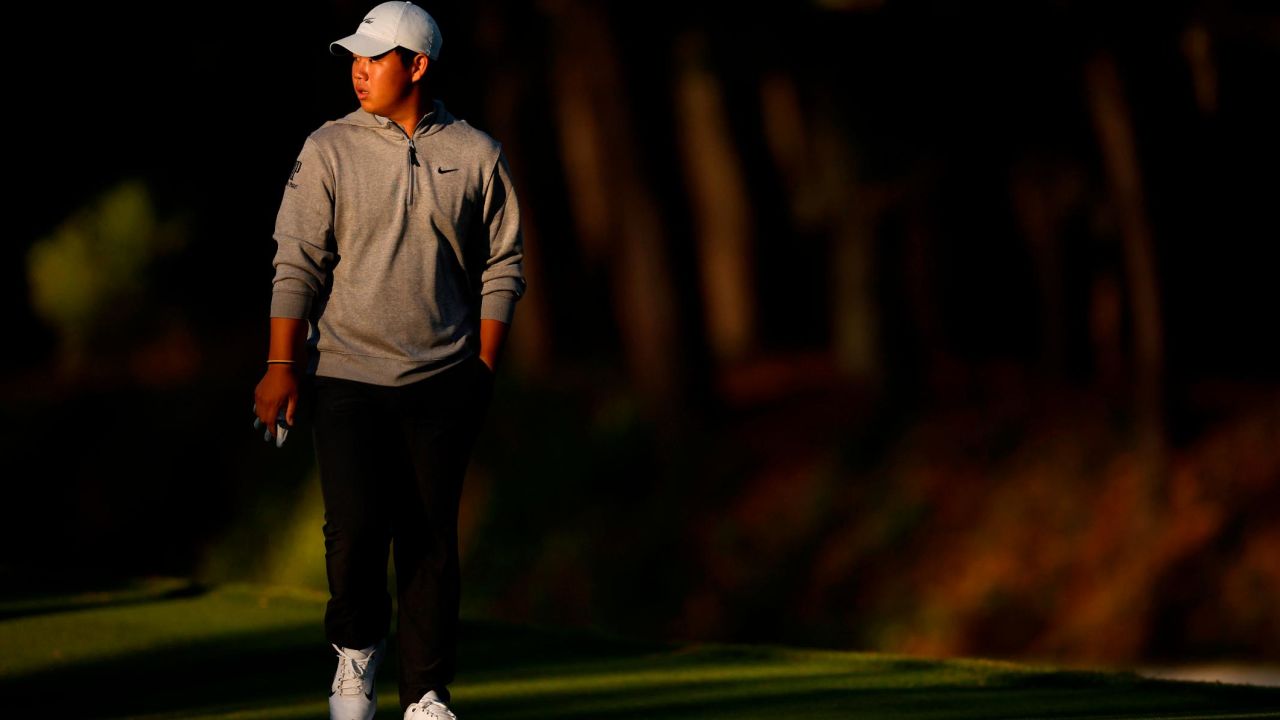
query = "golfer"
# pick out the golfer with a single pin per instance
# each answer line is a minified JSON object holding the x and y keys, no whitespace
{"x":397,"y":270}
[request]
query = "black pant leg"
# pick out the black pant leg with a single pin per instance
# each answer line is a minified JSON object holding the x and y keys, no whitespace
{"x":352,"y":450}
{"x":441,"y":416}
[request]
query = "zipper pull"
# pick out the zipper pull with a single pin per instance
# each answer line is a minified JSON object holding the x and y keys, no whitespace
{"x":413,"y":162}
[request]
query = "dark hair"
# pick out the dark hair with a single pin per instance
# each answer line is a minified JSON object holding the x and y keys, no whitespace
{"x":406,"y":56}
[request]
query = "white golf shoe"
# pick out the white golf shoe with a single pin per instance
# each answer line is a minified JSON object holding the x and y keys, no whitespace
{"x":353,"y":695}
{"x":429,"y":708}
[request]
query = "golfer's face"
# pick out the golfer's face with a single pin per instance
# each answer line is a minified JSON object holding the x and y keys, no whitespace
{"x":379,"y":81}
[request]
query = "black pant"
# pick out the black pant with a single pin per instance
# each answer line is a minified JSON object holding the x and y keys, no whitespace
{"x":392,"y":462}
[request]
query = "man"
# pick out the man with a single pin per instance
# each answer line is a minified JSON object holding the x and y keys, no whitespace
{"x":400,"y":250}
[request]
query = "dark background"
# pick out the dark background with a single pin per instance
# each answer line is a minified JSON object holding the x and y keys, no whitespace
{"x":1002,"y":464}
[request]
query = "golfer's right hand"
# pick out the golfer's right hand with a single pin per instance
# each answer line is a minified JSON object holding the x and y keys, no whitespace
{"x":277,"y":389}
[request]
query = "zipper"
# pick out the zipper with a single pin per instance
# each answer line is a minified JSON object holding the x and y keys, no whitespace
{"x":413,"y":162}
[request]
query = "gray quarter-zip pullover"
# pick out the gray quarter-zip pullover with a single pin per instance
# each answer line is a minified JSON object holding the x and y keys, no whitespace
{"x":393,"y":247}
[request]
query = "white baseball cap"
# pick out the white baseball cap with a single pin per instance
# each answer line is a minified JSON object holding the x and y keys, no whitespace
{"x":391,"y":24}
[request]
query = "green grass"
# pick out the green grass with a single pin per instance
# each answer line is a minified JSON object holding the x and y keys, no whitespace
{"x":164,"y":648}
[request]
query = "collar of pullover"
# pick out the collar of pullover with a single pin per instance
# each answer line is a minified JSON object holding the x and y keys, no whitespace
{"x":434,"y":121}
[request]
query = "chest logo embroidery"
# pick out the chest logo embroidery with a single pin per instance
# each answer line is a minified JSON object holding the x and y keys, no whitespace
{"x":445,"y":170}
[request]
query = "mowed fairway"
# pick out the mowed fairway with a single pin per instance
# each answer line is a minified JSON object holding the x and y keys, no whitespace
{"x":168,"y":649}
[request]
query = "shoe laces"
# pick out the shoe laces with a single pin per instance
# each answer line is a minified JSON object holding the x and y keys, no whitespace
{"x":433,"y":709}
{"x":351,"y":674}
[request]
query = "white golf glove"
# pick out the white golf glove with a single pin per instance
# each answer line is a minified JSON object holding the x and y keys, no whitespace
{"x":282,"y":427}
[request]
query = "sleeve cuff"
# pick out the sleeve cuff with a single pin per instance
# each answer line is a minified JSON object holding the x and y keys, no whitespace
{"x":290,"y":304}
{"x":498,"y":305}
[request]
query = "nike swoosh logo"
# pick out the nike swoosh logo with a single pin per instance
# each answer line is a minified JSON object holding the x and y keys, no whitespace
{"x":443,"y":171}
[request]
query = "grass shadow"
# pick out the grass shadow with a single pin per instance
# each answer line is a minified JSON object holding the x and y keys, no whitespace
{"x":248,"y":652}
{"x":124,"y":594}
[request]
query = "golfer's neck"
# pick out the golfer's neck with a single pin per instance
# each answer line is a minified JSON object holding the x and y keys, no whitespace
{"x":420,"y":103}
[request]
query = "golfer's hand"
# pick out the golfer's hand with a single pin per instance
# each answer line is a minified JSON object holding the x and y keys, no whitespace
{"x":277,"y":390}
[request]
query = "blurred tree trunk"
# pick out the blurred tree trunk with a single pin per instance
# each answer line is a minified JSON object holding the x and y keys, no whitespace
{"x":819,"y":169}
{"x":616,"y":216}
{"x":1197,"y":45}
{"x":1114,"y":127}
{"x":854,"y":315}
{"x":1044,"y":190}
{"x":720,"y":204}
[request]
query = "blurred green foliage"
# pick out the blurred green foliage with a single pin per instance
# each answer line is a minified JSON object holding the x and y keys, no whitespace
{"x":88,"y":279}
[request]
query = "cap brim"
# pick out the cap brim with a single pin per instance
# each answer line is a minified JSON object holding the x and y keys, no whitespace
{"x":362,"y":45}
